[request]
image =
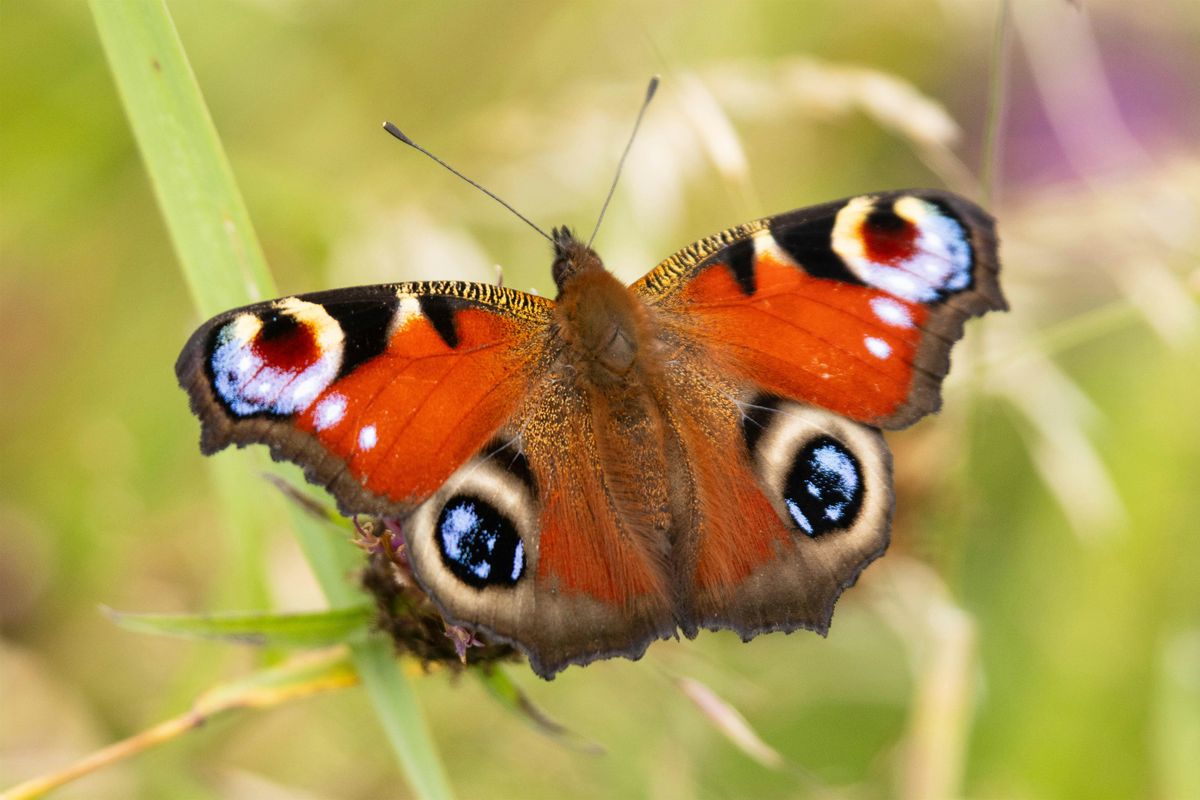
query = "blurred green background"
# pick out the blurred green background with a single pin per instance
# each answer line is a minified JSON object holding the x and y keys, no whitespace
{"x":1035,"y":630}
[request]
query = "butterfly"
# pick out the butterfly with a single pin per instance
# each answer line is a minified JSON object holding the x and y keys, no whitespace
{"x":582,"y":476}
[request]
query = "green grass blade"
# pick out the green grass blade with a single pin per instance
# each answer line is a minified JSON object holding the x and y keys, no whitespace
{"x":192,"y":180}
{"x":315,"y":629}
{"x":224,"y":266}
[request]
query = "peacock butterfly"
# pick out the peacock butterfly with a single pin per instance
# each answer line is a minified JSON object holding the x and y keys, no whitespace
{"x":583,"y":476}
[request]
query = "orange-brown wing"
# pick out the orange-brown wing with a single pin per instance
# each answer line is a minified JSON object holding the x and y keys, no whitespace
{"x":786,"y":502}
{"x":525,"y":543}
{"x":790,"y":340}
{"x":380,"y":393}
{"x":852,"y":306}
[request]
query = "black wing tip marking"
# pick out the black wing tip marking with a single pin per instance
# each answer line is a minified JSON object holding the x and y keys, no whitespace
{"x":440,"y":311}
{"x":739,"y":258}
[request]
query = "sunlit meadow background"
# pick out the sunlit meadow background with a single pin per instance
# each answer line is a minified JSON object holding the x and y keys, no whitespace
{"x":1035,"y":629}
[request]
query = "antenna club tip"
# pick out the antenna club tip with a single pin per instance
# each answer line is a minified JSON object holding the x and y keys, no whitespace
{"x":394,"y":131}
{"x":653,"y":87}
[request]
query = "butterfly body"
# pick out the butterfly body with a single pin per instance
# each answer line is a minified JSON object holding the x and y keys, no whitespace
{"x":583,"y":476}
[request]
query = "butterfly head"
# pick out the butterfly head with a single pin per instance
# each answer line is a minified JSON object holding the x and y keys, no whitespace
{"x":571,"y":258}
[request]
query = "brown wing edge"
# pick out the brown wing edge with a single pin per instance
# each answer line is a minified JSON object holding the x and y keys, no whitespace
{"x":547,"y":667}
{"x":947,"y":318}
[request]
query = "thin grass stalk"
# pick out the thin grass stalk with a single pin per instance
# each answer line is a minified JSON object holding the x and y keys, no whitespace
{"x":992,"y":152}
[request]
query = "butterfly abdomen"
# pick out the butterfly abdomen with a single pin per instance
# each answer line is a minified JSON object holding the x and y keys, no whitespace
{"x":610,"y":352}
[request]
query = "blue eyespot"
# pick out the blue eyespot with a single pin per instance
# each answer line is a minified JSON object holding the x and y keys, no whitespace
{"x":479,"y":544}
{"x":824,"y":489}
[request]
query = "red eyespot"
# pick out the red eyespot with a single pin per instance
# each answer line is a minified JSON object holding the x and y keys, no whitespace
{"x":888,"y":238}
{"x":285,"y":344}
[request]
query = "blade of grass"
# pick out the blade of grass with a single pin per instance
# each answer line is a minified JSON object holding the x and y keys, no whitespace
{"x":224,"y":266}
{"x":314,"y":629}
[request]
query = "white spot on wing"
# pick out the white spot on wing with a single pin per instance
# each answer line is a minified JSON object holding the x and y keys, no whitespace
{"x":892,"y":312}
{"x":367,"y":437}
{"x":832,"y":460}
{"x":799,"y":517}
{"x":329,"y":411}
{"x":461,"y":520}
{"x":407,"y":310}
{"x":878,"y":347}
{"x":765,"y":245}
{"x":518,"y":559}
{"x":305,"y":389}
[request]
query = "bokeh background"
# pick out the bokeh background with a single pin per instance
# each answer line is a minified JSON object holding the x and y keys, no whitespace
{"x":1035,"y":630}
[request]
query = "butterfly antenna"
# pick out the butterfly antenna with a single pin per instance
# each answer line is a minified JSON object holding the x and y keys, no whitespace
{"x":650,"y":90}
{"x":399,"y":134}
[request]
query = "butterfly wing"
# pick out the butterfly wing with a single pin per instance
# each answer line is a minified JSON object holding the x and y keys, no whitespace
{"x":378,"y":392}
{"x":788,"y":504}
{"x":852,"y":306}
{"x":526,"y":542}
{"x":439,"y":404}
{"x":793,"y":339}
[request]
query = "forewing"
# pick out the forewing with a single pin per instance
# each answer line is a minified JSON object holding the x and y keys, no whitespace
{"x":379,"y":393}
{"x":852,"y":306}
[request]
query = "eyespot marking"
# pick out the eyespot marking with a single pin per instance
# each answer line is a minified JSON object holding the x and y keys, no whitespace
{"x":888,"y":238}
{"x":277,"y":361}
{"x":478,"y":543}
{"x":914,"y":249}
{"x":824,"y":488}
{"x":283,"y":343}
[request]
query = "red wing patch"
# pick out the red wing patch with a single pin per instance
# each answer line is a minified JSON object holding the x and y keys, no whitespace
{"x":852,"y":305}
{"x":378,"y":392}
{"x":582,"y":549}
{"x":737,"y":529}
{"x":406,"y":419}
{"x":845,"y":347}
